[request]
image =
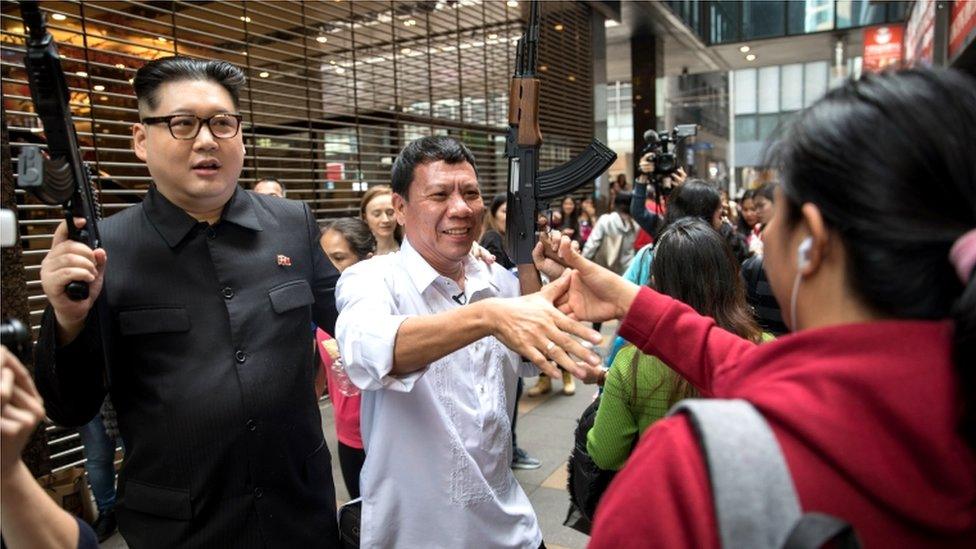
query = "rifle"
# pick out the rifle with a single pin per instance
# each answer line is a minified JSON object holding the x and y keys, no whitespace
{"x":63,"y":177}
{"x":528,"y":189}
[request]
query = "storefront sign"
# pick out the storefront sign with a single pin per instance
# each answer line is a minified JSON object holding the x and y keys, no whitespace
{"x":882,"y":47}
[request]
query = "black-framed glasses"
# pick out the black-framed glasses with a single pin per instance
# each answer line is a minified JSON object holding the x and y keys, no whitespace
{"x":187,"y":126}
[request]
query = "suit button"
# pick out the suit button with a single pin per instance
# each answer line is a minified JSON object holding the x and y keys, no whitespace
{"x":227,"y":292}
{"x":251,"y":425}
{"x":240,"y":356}
{"x":258,"y":492}
{"x":211,"y":233}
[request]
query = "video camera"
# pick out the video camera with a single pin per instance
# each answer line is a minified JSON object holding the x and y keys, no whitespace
{"x":662,"y":145}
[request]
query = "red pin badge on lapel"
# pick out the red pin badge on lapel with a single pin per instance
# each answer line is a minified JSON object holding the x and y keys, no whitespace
{"x":284,"y":261}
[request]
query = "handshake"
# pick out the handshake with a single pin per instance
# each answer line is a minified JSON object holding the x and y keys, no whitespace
{"x":541,"y":326}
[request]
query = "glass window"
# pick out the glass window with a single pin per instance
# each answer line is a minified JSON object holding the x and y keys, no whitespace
{"x":814,"y":81}
{"x":767,"y":125}
{"x":763,"y":19}
{"x":769,"y":89}
{"x":745,"y":128}
{"x":897,"y":11}
{"x":810,"y":16}
{"x":791,"y":91}
{"x":723,"y":16}
{"x":745,"y":91}
{"x":859,"y":13}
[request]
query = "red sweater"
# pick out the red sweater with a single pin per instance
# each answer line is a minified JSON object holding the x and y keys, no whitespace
{"x":866,"y":415}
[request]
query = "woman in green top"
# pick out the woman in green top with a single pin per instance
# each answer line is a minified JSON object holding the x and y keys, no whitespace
{"x":693,"y":264}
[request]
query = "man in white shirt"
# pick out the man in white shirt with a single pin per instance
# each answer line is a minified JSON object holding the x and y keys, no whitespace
{"x":434,"y":338}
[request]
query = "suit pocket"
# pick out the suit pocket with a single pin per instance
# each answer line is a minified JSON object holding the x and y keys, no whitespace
{"x":154,"y":500}
{"x":154,"y":320}
{"x":290,"y":295}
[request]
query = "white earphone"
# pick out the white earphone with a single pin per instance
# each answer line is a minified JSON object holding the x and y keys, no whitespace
{"x":803,"y":252}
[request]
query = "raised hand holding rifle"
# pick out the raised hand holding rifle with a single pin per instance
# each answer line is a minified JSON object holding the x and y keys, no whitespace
{"x":72,"y":272}
{"x":528,"y":189}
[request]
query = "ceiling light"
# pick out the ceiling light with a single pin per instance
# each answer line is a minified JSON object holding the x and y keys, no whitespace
{"x":559,"y":27}
{"x":98,"y":87}
{"x":410,"y":22}
{"x":321,"y":39}
{"x":103,"y":97}
{"x":120,"y":66}
{"x":245,"y":19}
{"x":512,"y":3}
{"x":160,"y":39}
{"x":244,"y":53}
{"x":571,"y":78}
{"x":339,"y":70}
{"x":58,"y":16}
{"x":751,"y":57}
{"x":132,"y":80}
{"x":744,"y":49}
{"x":610,"y":23}
{"x":82,"y":74}
{"x":492,"y":36}
{"x":406,"y":51}
{"x":264,"y":74}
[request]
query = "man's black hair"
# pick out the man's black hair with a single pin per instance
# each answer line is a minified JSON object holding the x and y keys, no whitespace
{"x":176,"y":68}
{"x":426,"y":150}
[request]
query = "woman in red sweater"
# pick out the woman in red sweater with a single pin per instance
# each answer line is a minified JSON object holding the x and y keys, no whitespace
{"x":871,"y":255}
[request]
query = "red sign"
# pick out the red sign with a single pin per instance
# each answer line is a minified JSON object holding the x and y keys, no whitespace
{"x":920,"y":33}
{"x":882,"y":47}
{"x":962,"y":26}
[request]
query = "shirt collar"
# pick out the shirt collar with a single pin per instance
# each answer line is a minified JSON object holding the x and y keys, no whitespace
{"x":477,"y":274}
{"x":173,"y":224}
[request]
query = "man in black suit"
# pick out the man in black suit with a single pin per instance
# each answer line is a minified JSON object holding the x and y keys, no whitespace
{"x":198,"y":324}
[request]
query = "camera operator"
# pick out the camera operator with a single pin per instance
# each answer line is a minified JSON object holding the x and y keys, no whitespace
{"x":650,"y":221}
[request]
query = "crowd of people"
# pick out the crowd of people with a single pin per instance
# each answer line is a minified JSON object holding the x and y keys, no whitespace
{"x":838,"y":305}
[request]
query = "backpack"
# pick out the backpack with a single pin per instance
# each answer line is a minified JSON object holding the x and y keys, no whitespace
{"x":587,"y":482}
{"x":755,"y":501}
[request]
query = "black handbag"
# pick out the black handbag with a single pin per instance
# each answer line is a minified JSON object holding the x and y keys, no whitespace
{"x":587,"y":482}
{"x":350,"y":517}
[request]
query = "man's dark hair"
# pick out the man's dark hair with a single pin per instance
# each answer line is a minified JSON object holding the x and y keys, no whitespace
{"x":357,"y":234}
{"x":269,"y":180}
{"x":426,"y":150}
{"x":176,"y":68}
{"x":621,"y":202}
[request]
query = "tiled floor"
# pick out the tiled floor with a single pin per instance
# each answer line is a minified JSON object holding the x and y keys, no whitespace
{"x":545,"y":430}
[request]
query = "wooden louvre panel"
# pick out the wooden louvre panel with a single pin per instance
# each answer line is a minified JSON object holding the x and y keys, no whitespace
{"x":334,"y":90}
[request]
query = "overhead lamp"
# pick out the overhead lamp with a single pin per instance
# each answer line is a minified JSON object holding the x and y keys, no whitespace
{"x":160,"y":39}
{"x":58,"y":16}
{"x":406,"y":51}
{"x":543,"y":68}
{"x":245,"y":19}
{"x":321,"y":39}
{"x":744,"y":49}
{"x":492,"y":36}
{"x":751,"y":57}
{"x":120,"y":66}
{"x":103,"y":97}
{"x":98,"y":87}
{"x":571,"y":78}
{"x":410,"y":22}
{"x":264,"y":74}
{"x":82,"y":74}
{"x":512,"y":3}
{"x":244,"y":53}
{"x":610,"y":23}
{"x":340,"y":70}
{"x":132,"y":80}
{"x":559,"y":27}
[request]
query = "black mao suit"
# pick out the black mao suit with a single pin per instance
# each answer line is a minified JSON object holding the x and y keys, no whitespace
{"x":209,"y":353}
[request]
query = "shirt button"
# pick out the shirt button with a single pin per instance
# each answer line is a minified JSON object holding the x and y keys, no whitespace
{"x":251,"y":425}
{"x":228,"y":292}
{"x":241,"y":356}
{"x":258,"y":492}
{"x":211,"y":233}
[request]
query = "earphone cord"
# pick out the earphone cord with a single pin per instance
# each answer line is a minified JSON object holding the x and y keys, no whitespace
{"x":793,"y":296}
